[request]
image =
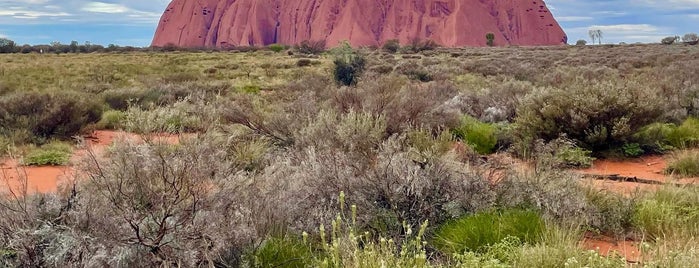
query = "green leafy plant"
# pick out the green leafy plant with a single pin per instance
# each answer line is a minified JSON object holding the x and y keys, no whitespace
{"x":112,"y":119}
{"x":632,"y":149}
{"x":481,"y":136}
{"x":54,"y":154}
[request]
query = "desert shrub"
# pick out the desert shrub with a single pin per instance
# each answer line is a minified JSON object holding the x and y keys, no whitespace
{"x":418,"y":45}
{"x":250,"y":89}
{"x":344,"y":245}
{"x":276,"y":48}
{"x":685,"y":135}
{"x":112,"y":119}
{"x":155,"y":203}
{"x":556,"y":193}
{"x":414,"y":71}
{"x":382,"y":69}
{"x":348,"y":68}
{"x":668,"y":212}
{"x":481,"y":136}
{"x":685,"y":164}
{"x":122,"y":98}
{"x":654,"y":137}
{"x":391,"y":46}
{"x":669,"y":40}
{"x":311,"y":47}
{"x":477,"y":232}
{"x":610,"y":213}
{"x":282,"y":252}
{"x":600,"y":115}
{"x":303,"y":62}
{"x":581,"y":42}
{"x":59,"y":115}
{"x":573,"y":156}
{"x":54,"y":154}
{"x":176,"y":118}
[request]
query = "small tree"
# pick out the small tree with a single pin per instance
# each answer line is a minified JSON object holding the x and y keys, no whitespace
{"x":74,"y":46}
{"x":581,"y":42}
{"x":595,"y":34}
{"x":690,"y":38}
{"x":7,"y":46}
{"x":490,"y":39}
{"x":348,"y":65}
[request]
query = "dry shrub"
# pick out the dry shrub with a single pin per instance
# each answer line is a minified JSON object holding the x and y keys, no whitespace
{"x":45,"y":116}
{"x":600,"y":115}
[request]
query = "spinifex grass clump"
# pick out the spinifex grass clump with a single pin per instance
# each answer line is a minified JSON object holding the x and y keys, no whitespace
{"x":669,"y":212}
{"x":481,"y":136}
{"x":685,"y":164}
{"x":54,"y":154}
{"x":479,"y":231}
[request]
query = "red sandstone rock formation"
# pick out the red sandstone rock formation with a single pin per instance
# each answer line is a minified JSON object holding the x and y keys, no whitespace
{"x":452,"y":23}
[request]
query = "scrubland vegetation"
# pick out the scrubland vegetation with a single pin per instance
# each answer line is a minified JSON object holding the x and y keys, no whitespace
{"x":394,"y":157}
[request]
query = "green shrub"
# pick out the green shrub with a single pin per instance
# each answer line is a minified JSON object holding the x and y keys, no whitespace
{"x":481,"y":136}
{"x":276,"y":48}
{"x":348,"y":68}
{"x":654,"y":137}
{"x":573,"y":156}
{"x":112,"y":119}
{"x":685,"y":135}
{"x":54,"y":154}
{"x":600,"y":115}
{"x":479,"y":231}
{"x":632,"y":149}
{"x":59,"y":115}
{"x":684,"y":164}
{"x":610,"y":213}
{"x":414,"y":71}
{"x":282,"y":252}
{"x":250,"y":89}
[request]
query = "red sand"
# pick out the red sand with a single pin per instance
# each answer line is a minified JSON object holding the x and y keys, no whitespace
{"x":46,"y":179}
{"x":451,"y":23}
{"x":608,"y":246}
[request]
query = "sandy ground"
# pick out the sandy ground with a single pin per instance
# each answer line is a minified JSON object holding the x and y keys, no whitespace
{"x":607,"y":246}
{"x":46,"y":179}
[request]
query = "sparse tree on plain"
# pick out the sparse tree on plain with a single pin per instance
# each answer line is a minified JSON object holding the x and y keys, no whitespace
{"x":595,"y":34}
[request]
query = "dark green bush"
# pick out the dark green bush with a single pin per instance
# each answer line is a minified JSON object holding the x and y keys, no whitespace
{"x":479,"y":231}
{"x":632,"y":149}
{"x":121,"y":99}
{"x":59,"y":115}
{"x":481,"y":136}
{"x":348,"y":69}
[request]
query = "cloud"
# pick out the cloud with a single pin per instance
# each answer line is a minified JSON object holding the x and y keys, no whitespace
{"x":99,"y":7}
{"x":573,"y":18}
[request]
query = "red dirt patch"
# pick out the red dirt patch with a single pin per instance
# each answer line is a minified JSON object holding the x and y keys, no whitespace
{"x":46,"y":179}
{"x":607,"y":246}
{"x":648,"y":168}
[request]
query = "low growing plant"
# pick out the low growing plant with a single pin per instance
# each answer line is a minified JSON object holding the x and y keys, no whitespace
{"x":481,"y":136}
{"x":684,"y":164}
{"x":53,"y":154}
{"x":479,"y":231}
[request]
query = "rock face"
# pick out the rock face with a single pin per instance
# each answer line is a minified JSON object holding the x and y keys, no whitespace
{"x":451,"y":23}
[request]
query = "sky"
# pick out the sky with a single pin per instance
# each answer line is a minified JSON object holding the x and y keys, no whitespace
{"x":133,"y":22}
